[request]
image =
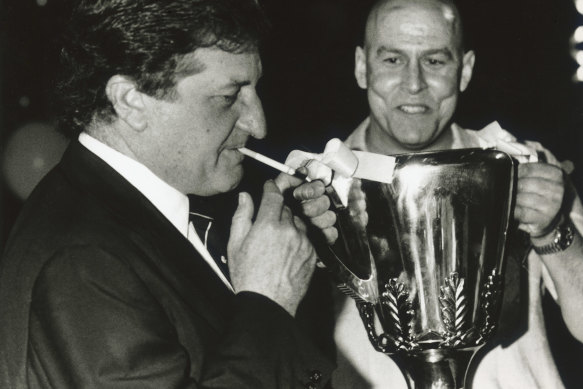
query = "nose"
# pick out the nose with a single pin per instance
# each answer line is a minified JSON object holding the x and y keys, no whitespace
{"x":252,"y":118}
{"x":414,"y":79}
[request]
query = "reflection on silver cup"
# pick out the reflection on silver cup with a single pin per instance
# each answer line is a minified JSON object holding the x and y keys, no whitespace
{"x":424,"y":255}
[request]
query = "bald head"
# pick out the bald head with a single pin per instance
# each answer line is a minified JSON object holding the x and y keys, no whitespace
{"x":446,"y":10}
{"x":413,"y":67}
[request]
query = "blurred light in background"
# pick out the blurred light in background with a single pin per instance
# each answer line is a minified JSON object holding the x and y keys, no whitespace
{"x":30,"y":152}
{"x":24,"y":101}
{"x":577,"y":44}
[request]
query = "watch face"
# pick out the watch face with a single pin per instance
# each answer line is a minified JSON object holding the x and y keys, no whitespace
{"x":564,"y":236}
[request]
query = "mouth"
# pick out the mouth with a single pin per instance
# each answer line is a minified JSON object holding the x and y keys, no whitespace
{"x":413,"y":109}
{"x":232,"y":148}
{"x":233,"y":154}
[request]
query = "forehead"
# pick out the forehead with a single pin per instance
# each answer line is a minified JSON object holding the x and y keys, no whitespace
{"x":215,"y":66}
{"x":419,"y":24}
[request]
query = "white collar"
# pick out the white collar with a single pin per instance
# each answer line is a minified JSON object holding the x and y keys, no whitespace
{"x":169,"y":201}
{"x":357,"y":139}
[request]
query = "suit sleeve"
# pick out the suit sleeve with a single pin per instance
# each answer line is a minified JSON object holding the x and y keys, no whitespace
{"x":94,"y":324}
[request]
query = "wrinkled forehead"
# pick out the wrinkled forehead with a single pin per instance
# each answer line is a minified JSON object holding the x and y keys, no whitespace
{"x":436,"y":14}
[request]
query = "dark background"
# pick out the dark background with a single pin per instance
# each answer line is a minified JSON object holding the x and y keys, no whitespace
{"x":523,"y":76}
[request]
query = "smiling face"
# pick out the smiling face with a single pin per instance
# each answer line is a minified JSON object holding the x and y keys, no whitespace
{"x":191,"y":139}
{"x":413,"y":68}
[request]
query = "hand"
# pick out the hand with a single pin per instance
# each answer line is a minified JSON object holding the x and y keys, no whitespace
{"x":315,"y":205}
{"x":540,"y":194}
{"x":271,"y":256}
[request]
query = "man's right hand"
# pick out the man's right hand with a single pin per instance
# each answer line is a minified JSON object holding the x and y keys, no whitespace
{"x":271,"y":256}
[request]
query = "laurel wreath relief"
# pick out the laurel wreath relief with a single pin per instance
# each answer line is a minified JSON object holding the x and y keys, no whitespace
{"x":458,"y":333}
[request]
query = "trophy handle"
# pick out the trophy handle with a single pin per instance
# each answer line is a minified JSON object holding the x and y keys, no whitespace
{"x":383,"y":342}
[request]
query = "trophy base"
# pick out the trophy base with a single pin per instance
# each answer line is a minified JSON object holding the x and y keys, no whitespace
{"x":436,"y":368}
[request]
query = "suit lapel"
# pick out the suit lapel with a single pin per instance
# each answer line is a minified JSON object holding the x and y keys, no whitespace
{"x":168,"y":250}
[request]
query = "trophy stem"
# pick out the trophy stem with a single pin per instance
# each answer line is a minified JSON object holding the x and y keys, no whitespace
{"x":436,"y":368}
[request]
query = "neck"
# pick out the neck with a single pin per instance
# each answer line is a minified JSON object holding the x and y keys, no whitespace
{"x":379,"y":142}
{"x":110,"y":135}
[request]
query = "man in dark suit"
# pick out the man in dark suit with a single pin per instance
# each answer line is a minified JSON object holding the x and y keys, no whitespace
{"x":109,"y":278}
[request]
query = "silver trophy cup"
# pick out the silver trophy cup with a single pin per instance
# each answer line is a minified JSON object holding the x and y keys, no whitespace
{"x":423,"y":258}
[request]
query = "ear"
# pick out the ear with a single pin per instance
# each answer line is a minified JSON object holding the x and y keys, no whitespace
{"x":467,"y":69}
{"x":360,"y":67}
{"x":127,"y":101}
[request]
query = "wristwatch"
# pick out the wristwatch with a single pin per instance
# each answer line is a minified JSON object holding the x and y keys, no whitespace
{"x":564,"y":235}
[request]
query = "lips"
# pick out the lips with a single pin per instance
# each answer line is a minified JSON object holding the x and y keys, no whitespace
{"x":232,"y":153}
{"x":413,"y":108}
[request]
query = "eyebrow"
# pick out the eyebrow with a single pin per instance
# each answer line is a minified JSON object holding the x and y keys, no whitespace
{"x":233,"y":83}
{"x":445,"y":51}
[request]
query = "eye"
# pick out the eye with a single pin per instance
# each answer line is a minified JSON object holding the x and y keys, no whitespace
{"x":230,"y":99}
{"x":435,"y":61}
{"x":392,"y":60}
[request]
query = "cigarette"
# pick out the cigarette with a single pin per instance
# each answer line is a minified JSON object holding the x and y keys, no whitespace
{"x":268,"y":161}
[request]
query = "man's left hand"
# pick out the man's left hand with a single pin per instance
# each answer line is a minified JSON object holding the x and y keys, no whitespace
{"x":540,"y":192}
{"x":315,"y":205}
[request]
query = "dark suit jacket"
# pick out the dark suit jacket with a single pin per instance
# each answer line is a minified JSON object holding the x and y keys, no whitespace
{"x":99,"y":290}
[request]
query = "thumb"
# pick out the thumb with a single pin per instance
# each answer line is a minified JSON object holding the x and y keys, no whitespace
{"x":241,"y":222}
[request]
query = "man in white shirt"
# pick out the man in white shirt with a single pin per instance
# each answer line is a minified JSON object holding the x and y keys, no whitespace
{"x":105,"y":282}
{"x":413,"y":66}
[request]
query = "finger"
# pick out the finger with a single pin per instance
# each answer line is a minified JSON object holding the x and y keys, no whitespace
{"x":537,"y":218}
{"x":309,"y":190}
{"x":271,"y":202}
{"x":529,"y":229}
{"x":311,"y":257}
{"x":540,"y":186}
{"x":540,"y":200}
{"x":526,"y":215}
{"x":287,"y":215}
{"x":316,"y":207}
{"x":325,"y":220}
{"x":331,"y":235}
{"x":285,"y":181}
{"x":536,"y":203}
{"x":540,"y":170}
{"x":241,"y":222}
{"x":300,"y":225}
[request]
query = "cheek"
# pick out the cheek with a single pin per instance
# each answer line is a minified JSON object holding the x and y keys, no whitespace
{"x":447,"y":108}
{"x":383,"y":84}
{"x":445,"y":92}
{"x":443,"y":86}
{"x":382,"y":92}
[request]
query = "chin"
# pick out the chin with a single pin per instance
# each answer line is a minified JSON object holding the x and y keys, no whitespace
{"x":219,"y":182}
{"x":230,"y":180}
{"x":420,"y":142}
{"x":415,"y":144}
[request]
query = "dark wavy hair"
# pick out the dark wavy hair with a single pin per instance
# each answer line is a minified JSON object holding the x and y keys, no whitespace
{"x":144,"y":40}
